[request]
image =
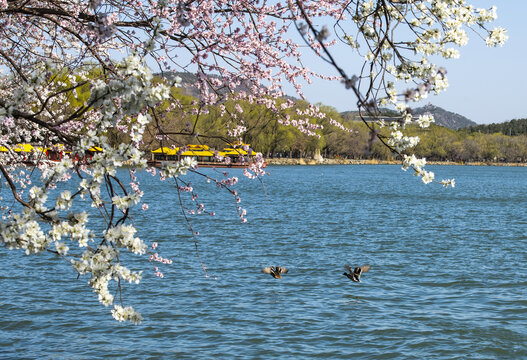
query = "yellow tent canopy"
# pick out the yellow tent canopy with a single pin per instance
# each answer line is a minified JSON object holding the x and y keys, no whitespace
{"x":24,"y":148}
{"x":165,"y":150}
{"x":193,"y":150}
{"x":198,"y":153}
{"x":29,"y":148}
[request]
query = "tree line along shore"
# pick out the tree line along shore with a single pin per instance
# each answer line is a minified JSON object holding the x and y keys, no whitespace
{"x":266,"y":134}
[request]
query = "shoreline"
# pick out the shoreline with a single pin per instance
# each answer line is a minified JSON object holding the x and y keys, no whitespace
{"x":305,"y":161}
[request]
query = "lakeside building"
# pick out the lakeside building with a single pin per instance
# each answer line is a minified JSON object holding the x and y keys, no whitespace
{"x":34,"y":153}
{"x":234,"y":156}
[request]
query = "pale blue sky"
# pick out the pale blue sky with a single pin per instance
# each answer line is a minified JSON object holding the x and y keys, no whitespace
{"x":486,"y":84}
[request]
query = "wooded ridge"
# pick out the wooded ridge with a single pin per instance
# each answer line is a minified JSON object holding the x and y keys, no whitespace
{"x":505,"y":142}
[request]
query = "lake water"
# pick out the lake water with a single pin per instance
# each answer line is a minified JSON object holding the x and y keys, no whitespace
{"x":448,"y":274}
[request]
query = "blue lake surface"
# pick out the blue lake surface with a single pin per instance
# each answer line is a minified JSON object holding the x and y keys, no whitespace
{"x":448,"y":274}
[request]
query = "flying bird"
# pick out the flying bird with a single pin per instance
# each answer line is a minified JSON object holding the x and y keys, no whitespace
{"x":354,"y":275}
{"x":275,"y":271}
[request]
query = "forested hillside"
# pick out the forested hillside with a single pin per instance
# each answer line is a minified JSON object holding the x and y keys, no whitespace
{"x":266,"y":134}
{"x":512,"y":128}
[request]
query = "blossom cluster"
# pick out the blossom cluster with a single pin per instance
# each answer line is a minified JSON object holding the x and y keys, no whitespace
{"x":173,"y":170}
{"x":126,"y":314}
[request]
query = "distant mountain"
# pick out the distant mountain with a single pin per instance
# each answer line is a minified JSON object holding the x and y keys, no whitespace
{"x":442,"y":117}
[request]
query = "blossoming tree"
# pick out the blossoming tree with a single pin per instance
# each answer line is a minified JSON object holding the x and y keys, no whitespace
{"x":72,"y":71}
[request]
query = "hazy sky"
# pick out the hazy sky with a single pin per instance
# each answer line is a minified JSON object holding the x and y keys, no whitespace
{"x":486,"y":84}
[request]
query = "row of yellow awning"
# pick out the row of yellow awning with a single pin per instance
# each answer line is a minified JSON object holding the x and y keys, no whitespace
{"x":22,"y":148}
{"x":31,"y":148}
{"x":192,"y":150}
{"x":199,"y":151}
